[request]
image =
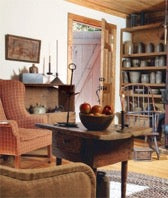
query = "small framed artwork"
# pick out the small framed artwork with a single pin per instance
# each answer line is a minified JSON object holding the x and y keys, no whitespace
{"x":22,"y":49}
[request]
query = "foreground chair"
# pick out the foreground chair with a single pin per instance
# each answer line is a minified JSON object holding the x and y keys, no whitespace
{"x":75,"y":180}
{"x":18,"y":134}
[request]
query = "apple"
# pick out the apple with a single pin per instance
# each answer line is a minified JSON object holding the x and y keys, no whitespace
{"x":107,"y":110}
{"x":85,"y":108}
{"x":96,"y":109}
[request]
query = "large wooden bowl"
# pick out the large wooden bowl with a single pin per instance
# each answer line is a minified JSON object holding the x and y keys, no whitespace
{"x":96,"y":123}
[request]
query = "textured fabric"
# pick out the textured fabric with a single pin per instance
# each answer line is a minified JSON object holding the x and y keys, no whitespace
{"x":19,"y":135}
{"x":75,"y":180}
{"x":2,"y":113}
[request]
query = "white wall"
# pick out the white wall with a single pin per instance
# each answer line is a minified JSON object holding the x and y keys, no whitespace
{"x":46,"y":20}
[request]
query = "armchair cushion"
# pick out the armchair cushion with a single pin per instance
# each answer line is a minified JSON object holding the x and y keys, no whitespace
{"x":75,"y":180}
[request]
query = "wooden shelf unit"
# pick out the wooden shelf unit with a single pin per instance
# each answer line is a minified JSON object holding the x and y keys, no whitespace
{"x":151,"y":33}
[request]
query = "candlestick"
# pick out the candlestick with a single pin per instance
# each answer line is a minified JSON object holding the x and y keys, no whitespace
{"x":56,"y":56}
{"x":122,"y":111}
{"x":43,"y":65}
{"x":49,"y":66}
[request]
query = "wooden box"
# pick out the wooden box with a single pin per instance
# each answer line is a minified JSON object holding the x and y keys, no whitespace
{"x":143,"y":153}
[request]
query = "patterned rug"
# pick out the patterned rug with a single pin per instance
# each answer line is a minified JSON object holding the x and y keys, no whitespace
{"x":138,"y":185}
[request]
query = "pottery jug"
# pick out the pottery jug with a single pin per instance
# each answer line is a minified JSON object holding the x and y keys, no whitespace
{"x":33,"y":69}
{"x":144,"y":78}
{"x":140,"y":47}
{"x":157,"y":61}
{"x":162,"y":61}
{"x":159,"y":47}
{"x":125,"y":77}
{"x":135,"y":62}
{"x":128,"y":47}
{"x":149,"y":48}
{"x":143,"y":63}
{"x":152,"y":77}
{"x":158,"y":77}
{"x":127,"y":62}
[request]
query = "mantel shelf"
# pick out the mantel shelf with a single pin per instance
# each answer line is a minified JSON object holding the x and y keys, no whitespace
{"x":44,"y":85}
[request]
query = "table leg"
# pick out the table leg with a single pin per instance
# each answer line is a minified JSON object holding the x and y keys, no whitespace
{"x":124,"y":167}
{"x":58,"y":161}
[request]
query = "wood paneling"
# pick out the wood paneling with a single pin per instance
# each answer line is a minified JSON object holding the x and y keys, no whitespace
{"x":122,"y":8}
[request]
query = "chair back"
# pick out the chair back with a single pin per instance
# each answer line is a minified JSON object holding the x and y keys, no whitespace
{"x":139,"y":106}
{"x":12,"y":93}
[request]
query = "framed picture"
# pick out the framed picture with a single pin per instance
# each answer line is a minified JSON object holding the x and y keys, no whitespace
{"x":22,"y":49}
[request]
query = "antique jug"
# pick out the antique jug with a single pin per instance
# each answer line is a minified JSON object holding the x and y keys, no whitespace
{"x":158,"y":77}
{"x":152,"y":77}
{"x":144,"y":78}
{"x":33,"y":69}
{"x":128,"y":47}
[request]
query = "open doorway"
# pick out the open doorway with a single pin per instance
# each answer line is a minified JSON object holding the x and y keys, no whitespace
{"x":91,"y":46}
{"x":86,"y":53}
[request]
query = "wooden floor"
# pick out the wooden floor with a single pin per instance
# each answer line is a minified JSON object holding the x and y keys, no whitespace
{"x":153,"y":167}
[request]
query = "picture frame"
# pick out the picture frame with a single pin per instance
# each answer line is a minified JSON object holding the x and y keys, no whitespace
{"x":20,"y":48}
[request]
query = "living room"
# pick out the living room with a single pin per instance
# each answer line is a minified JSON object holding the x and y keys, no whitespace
{"x":48,"y":21}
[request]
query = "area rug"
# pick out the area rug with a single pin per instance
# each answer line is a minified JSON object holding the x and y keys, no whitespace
{"x":138,"y":185}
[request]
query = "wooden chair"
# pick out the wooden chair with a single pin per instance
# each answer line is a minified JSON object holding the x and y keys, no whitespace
{"x":140,"y":110}
{"x":18,"y":133}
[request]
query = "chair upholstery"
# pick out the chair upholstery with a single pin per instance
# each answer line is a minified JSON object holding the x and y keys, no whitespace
{"x":12,"y":94}
{"x":19,"y":135}
{"x":75,"y":180}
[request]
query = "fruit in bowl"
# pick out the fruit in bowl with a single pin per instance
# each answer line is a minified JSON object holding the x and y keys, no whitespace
{"x":98,"y":118}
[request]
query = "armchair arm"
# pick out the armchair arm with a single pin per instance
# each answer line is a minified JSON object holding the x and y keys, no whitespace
{"x":75,"y":180}
{"x":30,"y":120}
{"x":9,"y":126}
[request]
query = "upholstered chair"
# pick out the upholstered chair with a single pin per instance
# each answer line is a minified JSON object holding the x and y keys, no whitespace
{"x":73,"y":180}
{"x":18,"y":134}
{"x":12,"y":94}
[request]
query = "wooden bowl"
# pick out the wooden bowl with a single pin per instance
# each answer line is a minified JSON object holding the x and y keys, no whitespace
{"x":96,"y":123}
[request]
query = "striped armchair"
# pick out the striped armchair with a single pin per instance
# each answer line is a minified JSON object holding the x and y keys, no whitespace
{"x":18,"y":133}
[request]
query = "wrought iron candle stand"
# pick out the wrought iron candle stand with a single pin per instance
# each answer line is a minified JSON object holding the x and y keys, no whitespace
{"x":72,"y":67}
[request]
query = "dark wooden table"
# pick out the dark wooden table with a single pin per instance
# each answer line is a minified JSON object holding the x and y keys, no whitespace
{"x":95,"y":148}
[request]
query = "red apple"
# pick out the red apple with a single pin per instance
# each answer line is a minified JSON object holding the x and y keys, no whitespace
{"x":85,"y":108}
{"x":107,"y":110}
{"x":96,"y":109}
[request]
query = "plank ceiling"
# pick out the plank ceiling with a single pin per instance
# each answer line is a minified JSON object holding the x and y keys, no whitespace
{"x":122,"y":8}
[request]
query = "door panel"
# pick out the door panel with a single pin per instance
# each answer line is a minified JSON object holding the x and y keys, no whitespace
{"x":107,"y":70}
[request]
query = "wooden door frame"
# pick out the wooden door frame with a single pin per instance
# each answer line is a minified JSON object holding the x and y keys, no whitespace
{"x":91,"y":22}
